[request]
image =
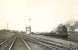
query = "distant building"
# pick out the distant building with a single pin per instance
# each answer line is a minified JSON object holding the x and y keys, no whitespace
{"x":28,"y":29}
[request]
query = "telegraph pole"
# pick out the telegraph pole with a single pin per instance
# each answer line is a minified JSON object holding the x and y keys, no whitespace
{"x":7,"y":25}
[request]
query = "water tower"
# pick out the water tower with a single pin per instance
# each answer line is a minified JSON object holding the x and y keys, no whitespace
{"x":28,"y":26}
{"x":28,"y":29}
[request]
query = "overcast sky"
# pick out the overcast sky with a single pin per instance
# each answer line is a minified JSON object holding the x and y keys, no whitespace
{"x":45,"y":14}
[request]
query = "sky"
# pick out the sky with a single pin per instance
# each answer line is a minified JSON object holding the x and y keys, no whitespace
{"x":45,"y":15}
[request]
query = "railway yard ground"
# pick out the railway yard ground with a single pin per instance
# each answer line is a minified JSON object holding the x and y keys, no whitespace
{"x":19,"y":41}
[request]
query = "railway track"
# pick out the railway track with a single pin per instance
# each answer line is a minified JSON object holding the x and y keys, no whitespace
{"x":22,"y":43}
{"x":50,"y":44}
{"x":35,"y":45}
{"x":26,"y":44}
{"x":19,"y":44}
{"x":3,"y":41}
{"x":7,"y":44}
{"x":14,"y":43}
{"x":11,"y":44}
{"x":53,"y":47}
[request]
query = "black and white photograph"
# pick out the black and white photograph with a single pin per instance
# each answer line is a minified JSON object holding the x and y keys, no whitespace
{"x":38,"y":24}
